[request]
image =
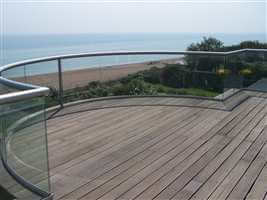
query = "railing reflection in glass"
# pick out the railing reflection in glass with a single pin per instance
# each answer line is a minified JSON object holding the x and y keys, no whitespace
{"x":24,"y":146}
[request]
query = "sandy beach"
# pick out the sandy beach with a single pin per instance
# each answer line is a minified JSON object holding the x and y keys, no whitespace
{"x":79,"y":78}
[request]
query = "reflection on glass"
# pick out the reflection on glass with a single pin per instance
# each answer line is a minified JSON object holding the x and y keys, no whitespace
{"x":119,"y":75}
{"x":23,"y":130}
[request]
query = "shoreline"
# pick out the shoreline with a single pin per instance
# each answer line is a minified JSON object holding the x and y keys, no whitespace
{"x":81,"y":77}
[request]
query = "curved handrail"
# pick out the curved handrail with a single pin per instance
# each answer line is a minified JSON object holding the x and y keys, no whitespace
{"x":120,"y":53}
{"x":98,"y":54}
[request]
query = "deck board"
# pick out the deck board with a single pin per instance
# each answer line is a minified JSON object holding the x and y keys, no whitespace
{"x":217,"y":170}
{"x":160,"y":152}
{"x":167,"y":156}
{"x":176,"y":180}
{"x":259,"y":189}
{"x":137,"y":131}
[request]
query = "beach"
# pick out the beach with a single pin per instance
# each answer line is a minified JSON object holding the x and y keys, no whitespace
{"x":79,"y":78}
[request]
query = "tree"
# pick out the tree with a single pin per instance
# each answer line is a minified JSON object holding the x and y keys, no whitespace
{"x":208,"y":44}
{"x":204,"y":63}
{"x":246,"y":45}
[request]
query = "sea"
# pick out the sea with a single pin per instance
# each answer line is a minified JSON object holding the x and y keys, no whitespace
{"x":22,"y":47}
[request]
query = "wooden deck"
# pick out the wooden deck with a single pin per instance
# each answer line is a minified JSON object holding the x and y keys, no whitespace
{"x":160,"y":152}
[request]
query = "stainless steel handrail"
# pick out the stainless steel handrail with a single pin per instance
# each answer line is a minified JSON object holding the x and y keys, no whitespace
{"x":22,"y":95}
{"x":97,"y":54}
{"x":5,"y":99}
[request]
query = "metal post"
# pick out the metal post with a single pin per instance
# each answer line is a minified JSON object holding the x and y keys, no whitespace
{"x":60,"y":83}
{"x":223,"y":79}
{"x":25,"y":75}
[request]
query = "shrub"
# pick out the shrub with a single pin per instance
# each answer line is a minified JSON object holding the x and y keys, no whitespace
{"x":223,"y":72}
{"x":209,"y":81}
{"x":94,"y":84}
{"x":140,"y":87}
{"x":119,"y":89}
{"x":173,"y":76}
{"x":245,"y":72}
{"x":152,"y":75}
{"x":131,"y":77}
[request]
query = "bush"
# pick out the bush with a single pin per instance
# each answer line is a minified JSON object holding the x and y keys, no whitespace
{"x":173,"y":76}
{"x":94,"y":84}
{"x":131,"y":77}
{"x":119,"y":89}
{"x":134,"y":87}
{"x":152,"y":75}
{"x":140,"y":87}
{"x":209,"y":81}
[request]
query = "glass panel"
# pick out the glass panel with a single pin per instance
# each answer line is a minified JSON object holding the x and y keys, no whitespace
{"x":254,"y":71}
{"x":233,"y":80}
{"x":247,"y":73}
{"x":249,"y":70}
{"x":6,"y":88}
{"x":139,"y":75}
{"x":77,"y":74}
{"x":16,"y":74}
{"x":207,"y":74}
{"x":45,"y":74}
{"x":23,"y":129}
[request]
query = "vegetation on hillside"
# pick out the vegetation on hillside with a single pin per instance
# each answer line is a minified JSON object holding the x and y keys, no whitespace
{"x":213,"y":44}
{"x":199,"y":76}
{"x":155,"y":81}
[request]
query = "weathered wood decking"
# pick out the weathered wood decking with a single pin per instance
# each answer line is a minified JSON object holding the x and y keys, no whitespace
{"x":160,"y":152}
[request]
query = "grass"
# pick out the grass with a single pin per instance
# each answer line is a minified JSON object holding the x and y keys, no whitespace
{"x":185,"y":91}
{"x":146,"y":88}
{"x":149,"y":82}
{"x":199,"y":92}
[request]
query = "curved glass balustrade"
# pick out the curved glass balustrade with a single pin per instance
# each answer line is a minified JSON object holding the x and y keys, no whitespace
{"x":214,"y":76}
{"x":24,"y":161}
{"x":222,"y":79}
{"x":25,"y":148}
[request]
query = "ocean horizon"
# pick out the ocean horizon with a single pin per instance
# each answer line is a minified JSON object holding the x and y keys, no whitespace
{"x":21,"y":47}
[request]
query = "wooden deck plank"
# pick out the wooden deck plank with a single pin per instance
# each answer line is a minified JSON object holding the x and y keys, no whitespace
{"x":209,"y":184}
{"x":156,"y":147}
{"x":31,"y":159}
{"x":90,"y":120}
{"x":229,"y":182}
{"x":259,"y":189}
{"x":244,"y":185}
{"x":158,"y":151}
{"x":116,"y":129}
{"x":64,"y":121}
{"x":169,"y":184}
{"x":136,"y":178}
{"x":25,"y":138}
{"x":85,"y":156}
{"x":239,"y":141}
{"x":101,"y":125}
{"x":146,"y":152}
{"x":84,"y":141}
{"x":153,"y":141}
{"x":125,"y":112}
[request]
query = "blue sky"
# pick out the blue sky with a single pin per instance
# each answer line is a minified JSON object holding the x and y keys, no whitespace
{"x":65,"y":16}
